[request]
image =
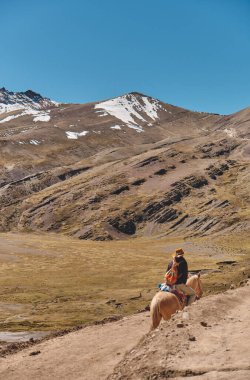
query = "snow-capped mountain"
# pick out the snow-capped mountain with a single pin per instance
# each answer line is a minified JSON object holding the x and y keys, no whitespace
{"x":129,"y":164}
{"x":132,"y":112}
{"x":27,"y":118}
{"x":132,"y":109}
{"x":28,"y":102}
{"x":13,"y":101}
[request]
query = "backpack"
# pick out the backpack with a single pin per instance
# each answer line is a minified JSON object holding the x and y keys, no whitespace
{"x":172,"y":274}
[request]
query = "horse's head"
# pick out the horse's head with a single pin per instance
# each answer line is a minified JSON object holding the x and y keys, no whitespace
{"x":195,"y":283}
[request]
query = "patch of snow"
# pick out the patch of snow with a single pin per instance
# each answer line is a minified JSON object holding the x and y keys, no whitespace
{"x":103,"y":114}
{"x":39,"y":115}
{"x":75,"y":135}
{"x":42,"y":117}
{"x":26,"y":112}
{"x":122,"y":108}
{"x":151,"y":107}
{"x":137,"y":128}
{"x":116,"y":127}
{"x":8,"y":118}
{"x":35,"y":142}
{"x":5,"y":108}
{"x":129,"y":109}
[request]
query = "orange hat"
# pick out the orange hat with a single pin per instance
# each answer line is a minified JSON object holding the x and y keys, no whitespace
{"x":179,"y":251}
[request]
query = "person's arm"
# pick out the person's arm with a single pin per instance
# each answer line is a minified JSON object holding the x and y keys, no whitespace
{"x":169,"y":266}
{"x":182,"y":269}
{"x":185,"y":271}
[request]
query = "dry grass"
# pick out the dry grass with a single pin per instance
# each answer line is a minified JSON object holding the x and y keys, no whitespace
{"x":51,"y":282}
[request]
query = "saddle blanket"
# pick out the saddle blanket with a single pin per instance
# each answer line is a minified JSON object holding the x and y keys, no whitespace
{"x":165,"y":288}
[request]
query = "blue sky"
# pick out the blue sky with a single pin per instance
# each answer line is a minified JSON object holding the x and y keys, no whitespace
{"x":190,"y":53}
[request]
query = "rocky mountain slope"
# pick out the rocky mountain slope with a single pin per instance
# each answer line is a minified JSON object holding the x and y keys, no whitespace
{"x":124,"y":167}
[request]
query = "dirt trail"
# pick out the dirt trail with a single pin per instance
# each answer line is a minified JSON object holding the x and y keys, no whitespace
{"x":216,"y":349}
{"x":209,"y":340}
{"x":91,"y":353}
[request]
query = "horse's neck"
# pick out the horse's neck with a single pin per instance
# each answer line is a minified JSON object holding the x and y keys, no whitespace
{"x":193,"y":282}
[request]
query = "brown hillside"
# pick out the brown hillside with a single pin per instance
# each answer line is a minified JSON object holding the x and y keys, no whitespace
{"x":126,"y":167}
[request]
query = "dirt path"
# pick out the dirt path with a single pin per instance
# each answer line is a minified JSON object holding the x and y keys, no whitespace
{"x":209,"y":340}
{"x":91,"y":353}
{"x":217,"y":348}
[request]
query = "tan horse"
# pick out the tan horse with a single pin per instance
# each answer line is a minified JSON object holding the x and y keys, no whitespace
{"x":165,"y":304}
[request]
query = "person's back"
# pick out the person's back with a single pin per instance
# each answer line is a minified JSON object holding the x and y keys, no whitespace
{"x":182,"y":270}
{"x":182,"y":275}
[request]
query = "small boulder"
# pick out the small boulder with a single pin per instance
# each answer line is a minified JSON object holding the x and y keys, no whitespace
{"x":192,"y":338}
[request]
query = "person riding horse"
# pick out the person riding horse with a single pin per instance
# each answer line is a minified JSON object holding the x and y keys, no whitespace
{"x":180,"y":284}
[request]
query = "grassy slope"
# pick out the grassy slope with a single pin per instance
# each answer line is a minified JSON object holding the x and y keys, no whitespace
{"x":50,"y":282}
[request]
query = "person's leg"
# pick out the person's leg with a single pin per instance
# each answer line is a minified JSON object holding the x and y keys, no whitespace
{"x":188,"y":291}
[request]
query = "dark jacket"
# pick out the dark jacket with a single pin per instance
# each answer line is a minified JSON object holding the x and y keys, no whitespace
{"x":182,"y":270}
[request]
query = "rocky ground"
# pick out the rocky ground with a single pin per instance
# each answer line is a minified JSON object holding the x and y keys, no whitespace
{"x":209,"y":340}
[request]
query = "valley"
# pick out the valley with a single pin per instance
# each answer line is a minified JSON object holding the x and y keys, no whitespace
{"x":95,"y":198}
{"x":51,"y":282}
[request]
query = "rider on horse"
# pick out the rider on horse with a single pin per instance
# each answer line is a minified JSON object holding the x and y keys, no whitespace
{"x":180,"y":284}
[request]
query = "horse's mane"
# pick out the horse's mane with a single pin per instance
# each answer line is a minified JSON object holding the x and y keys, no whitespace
{"x":195,"y":278}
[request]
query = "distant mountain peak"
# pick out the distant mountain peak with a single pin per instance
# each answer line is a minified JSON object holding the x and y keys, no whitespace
{"x":28,"y":100}
{"x":136,"y":93}
{"x":133,"y":109}
{"x":33,"y":95}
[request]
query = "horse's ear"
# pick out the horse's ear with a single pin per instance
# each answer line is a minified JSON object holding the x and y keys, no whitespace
{"x":199,"y":274}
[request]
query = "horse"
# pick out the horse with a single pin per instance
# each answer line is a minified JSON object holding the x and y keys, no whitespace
{"x":165,"y":304}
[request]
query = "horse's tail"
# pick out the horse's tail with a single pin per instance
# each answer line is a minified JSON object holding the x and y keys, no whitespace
{"x":155,"y":313}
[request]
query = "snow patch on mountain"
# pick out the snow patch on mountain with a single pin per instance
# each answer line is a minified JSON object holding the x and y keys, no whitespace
{"x":42,"y":117}
{"x":116,"y":127}
{"x":35,"y":142}
{"x":39,"y":115}
{"x":131,"y":109}
{"x":8,"y":118}
{"x":101,"y":113}
{"x":151,"y":107}
{"x":74,"y":135}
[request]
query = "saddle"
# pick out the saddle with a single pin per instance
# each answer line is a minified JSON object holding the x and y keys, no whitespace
{"x":181,"y":296}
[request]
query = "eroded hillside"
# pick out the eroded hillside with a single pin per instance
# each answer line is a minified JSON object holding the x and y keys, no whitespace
{"x":142,"y":168}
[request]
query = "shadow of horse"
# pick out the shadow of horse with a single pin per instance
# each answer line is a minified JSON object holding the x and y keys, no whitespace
{"x":165,"y":304}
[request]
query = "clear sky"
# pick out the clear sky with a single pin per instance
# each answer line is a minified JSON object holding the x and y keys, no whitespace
{"x":190,"y":53}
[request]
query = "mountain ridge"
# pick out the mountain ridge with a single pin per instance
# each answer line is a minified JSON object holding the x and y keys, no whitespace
{"x":123,"y":167}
